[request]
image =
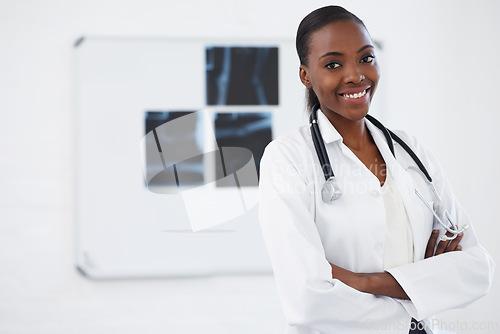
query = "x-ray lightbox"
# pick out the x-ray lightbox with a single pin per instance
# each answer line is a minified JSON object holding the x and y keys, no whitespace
{"x":168,"y":150}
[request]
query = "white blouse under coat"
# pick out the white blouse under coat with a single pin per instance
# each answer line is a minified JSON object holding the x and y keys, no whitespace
{"x":304,"y":235}
{"x":398,"y":245}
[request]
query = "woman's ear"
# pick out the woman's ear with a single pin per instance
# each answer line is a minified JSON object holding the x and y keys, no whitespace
{"x":304,"y":76}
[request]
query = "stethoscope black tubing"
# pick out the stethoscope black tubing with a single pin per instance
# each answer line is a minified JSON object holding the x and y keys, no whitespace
{"x":320,"y":147}
{"x":389,"y":135}
{"x":319,"y":144}
{"x":412,"y":155}
{"x":384,"y":130}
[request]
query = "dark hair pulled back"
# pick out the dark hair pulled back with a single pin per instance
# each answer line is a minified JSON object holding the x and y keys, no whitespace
{"x":314,"y":21}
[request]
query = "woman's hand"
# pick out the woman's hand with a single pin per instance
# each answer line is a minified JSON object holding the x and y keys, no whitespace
{"x":443,"y":246}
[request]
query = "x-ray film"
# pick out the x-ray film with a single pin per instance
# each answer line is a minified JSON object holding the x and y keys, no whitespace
{"x":242,"y":75}
{"x":174,"y":150}
{"x":246,"y":130}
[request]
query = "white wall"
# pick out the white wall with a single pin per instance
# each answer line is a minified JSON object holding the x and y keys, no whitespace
{"x":442,"y":84}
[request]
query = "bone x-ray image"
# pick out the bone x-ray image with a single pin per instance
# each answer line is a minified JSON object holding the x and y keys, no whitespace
{"x":248,"y":130}
{"x":174,"y":146}
{"x":242,"y":75}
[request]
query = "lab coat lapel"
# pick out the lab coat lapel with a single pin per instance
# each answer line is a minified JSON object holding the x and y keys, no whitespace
{"x":405,"y":186}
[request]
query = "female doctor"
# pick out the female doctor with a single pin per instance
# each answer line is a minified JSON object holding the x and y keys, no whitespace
{"x":373,"y":260}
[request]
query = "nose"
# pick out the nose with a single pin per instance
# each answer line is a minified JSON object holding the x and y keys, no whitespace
{"x":353,"y":74}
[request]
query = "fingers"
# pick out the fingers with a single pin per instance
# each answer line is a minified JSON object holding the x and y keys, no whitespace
{"x":447,"y":245}
{"x":454,"y":244}
{"x":443,"y":246}
{"x":429,"y":250}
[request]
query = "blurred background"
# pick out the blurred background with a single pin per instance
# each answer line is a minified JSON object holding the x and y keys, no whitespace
{"x":440,"y":75}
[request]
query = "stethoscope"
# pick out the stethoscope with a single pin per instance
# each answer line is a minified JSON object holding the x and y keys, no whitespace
{"x":331,"y":190}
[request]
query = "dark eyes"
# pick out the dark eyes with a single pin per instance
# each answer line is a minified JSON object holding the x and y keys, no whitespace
{"x":368,"y":59}
{"x":333,"y":65}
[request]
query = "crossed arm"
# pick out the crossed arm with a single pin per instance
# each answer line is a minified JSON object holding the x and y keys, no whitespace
{"x":383,"y":283}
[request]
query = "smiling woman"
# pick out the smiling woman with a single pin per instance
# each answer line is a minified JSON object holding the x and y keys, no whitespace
{"x":341,"y":60}
{"x":368,"y":261}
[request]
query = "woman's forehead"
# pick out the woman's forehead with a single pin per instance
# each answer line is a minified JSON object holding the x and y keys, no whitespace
{"x":340,"y":36}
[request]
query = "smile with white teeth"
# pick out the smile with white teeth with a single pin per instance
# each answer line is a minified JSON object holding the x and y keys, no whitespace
{"x":355,"y":96}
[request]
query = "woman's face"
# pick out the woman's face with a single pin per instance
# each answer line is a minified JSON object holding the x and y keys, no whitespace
{"x":341,"y":69}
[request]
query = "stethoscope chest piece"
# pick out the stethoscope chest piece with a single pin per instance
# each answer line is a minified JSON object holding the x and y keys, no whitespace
{"x":331,"y":190}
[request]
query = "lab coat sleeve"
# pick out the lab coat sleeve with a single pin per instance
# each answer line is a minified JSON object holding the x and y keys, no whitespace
{"x":309,"y":296}
{"x":450,"y":280}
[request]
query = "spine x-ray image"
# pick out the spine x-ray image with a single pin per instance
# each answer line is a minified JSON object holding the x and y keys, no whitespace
{"x":242,"y":75}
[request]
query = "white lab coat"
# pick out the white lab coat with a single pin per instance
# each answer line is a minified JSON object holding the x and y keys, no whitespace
{"x":304,"y":235}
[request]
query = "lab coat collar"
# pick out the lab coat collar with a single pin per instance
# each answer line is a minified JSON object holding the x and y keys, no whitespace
{"x":328,"y":131}
{"x":381,"y":142}
{"x":393,"y":166}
